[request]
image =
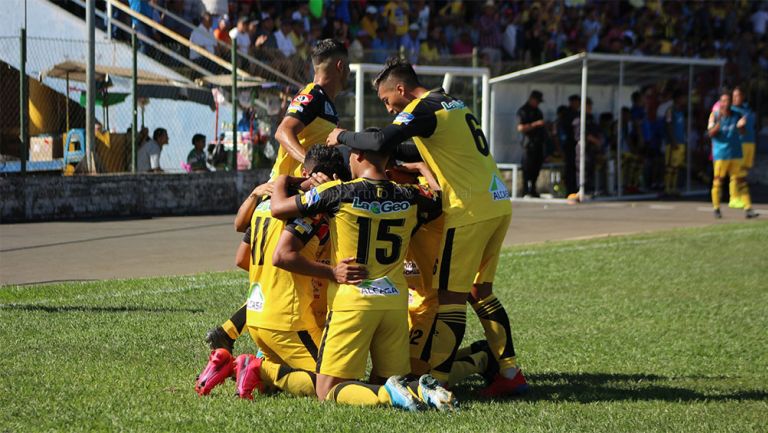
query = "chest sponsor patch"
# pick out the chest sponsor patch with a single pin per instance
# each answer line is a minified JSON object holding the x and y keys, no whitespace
{"x":376,"y":207}
{"x":498,"y":189}
{"x":379,"y":287}
{"x":403,"y":118}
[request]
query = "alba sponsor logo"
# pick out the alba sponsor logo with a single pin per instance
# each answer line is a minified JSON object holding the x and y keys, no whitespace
{"x":376,"y":207}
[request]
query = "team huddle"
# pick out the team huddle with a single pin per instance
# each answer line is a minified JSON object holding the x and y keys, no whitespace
{"x":374,"y":255}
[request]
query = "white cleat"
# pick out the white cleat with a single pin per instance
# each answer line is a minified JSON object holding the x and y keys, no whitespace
{"x":400,"y":395}
{"x":434,"y":395}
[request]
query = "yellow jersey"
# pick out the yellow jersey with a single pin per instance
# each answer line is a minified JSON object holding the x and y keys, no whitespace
{"x":278,"y":299}
{"x":454,"y":147}
{"x":450,"y":141}
{"x":371,"y":220}
{"x":316,"y":111}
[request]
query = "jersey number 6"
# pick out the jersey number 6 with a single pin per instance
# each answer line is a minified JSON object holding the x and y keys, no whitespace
{"x":477,"y":134}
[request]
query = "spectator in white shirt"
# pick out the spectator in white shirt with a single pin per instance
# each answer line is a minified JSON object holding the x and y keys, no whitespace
{"x":240,"y":33}
{"x":202,"y":35}
{"x":148,"y":156}
{"x":284,"y":43}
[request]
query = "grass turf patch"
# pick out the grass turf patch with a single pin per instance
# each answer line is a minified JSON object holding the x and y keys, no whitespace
{"x":656,"y":332}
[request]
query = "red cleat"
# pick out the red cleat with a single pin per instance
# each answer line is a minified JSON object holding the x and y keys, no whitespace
{"x":248,"y":376}
{"x":219,"y":368}
{"x":501,"y":386}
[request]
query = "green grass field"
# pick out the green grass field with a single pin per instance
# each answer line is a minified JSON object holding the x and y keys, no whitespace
{"x":659,"y":332}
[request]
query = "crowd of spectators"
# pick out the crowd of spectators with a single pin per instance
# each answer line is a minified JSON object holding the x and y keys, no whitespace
{"x":507,"y":34}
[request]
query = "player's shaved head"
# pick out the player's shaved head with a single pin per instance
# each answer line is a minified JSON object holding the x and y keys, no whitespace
{"x":328,"y":51}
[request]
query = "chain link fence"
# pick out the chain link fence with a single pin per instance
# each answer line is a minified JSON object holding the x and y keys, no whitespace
{"x":167,"y":99}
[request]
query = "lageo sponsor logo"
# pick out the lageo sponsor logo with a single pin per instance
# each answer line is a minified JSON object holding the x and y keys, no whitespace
{"x":376,"y":207}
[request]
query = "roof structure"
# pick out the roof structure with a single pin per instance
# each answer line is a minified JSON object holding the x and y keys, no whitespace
{"x":605,"y":68}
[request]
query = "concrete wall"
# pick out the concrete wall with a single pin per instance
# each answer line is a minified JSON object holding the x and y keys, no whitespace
{"x":49,"y":197}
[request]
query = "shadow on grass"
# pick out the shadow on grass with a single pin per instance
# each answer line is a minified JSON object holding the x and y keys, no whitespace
{"x":600,"y":387}
{"x":92,"y":309}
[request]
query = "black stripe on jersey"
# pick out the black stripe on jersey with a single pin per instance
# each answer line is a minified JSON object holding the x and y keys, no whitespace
{"x":426,"y":353}
{"x":263,"y":241}
{"x":308,"y":343}
{"x":322,"y":342}
{"x":445,"y":262}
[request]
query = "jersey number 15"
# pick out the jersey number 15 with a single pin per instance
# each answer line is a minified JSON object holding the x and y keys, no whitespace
{"x":382,"y":235}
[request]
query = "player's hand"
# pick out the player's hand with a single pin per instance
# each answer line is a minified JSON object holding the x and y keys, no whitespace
{"x":349,"y":272}
{"x":333,"y":137}
{"x":317,"y":179}
{"x":742,"y":122}
{"x":263,"y":189}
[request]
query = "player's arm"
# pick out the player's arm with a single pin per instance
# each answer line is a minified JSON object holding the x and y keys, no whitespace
{"x":429,"y":204}
{"x":243,"y":254}
{"x":288,"y":256}
{"x":321,"y":199}
{"x":304,"y":108}
{"x":287,"y":135}
{"x":419,"y":123}
{"x":243,"y":217}
{"x":713,"y":127}
{"x":741,"y":125}
{"x":423,"y":170}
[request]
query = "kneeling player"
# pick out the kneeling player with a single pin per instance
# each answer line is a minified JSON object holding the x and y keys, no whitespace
{"x":279,"y":309}
{"x":373,"y":219}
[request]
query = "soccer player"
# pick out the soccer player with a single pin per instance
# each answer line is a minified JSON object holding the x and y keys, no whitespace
{"x":371,"y":221}
{"x":724,"y":128}
{"x":279,"y":311}
{"x":476,"y":207}
{"x":312,"y":113}
{"x":747,"y":145}
{"x":676,"y":126}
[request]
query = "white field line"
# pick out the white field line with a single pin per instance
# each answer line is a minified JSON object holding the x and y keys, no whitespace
{"x":597,"y":246}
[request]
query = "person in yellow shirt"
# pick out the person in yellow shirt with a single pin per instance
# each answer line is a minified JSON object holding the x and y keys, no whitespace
{"x":741,"y":107}
{"x":370,"y":22}
{"x":312,"y":113}
{"x":396,"y":13}
{"x":279,"y":312}
{"x":429,"y":52}
{"x":476,"y":209}
{"x":371,"y":221}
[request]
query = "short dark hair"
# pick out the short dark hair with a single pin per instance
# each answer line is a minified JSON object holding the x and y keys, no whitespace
{"x":326,"y":49}
{"x":159,"y":132}
{"x":327,"y":160}
{"x":397,"y":69}
{"x":197,"y":137}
